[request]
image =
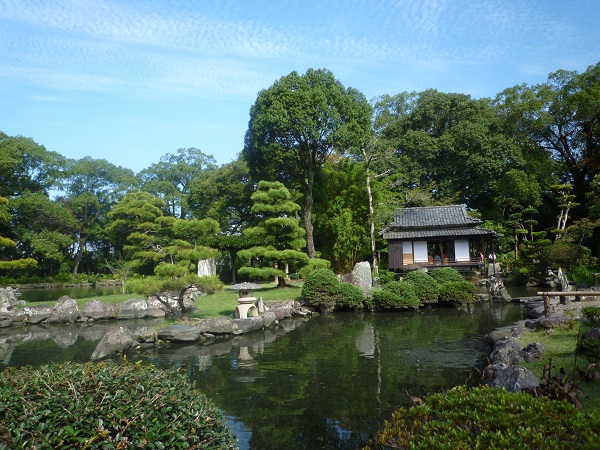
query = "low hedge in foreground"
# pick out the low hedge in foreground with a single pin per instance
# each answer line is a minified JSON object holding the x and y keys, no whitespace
{"x":106,"y":406}
{"x":485,"y":418}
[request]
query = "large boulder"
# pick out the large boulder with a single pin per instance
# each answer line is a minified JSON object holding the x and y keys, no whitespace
{"x":37,"y":313}
{"x":511,"y":378}
{"x":156,"y":309}
{"x":117,"y":340}
{"x":246,"y":325}
{"x":9,"y":298}
{"x":179,"y":333}
{"x":95,"y":309}
{"x":501,"y":333}
{"x":498,"y":291}
{"x":135,"y":308}
{"x":219,"y":325}
{"x":508,"y":351}
{"x":65,"y":310}
{"x":361,"y":276}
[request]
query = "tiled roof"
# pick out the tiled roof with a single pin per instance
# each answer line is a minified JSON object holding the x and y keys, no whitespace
{"x":438,"y":232}
{"x":432,"y":217}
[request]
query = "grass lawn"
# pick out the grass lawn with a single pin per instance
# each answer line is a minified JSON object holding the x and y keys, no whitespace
{"x":219,"y":304}
{"x":560,"y":346}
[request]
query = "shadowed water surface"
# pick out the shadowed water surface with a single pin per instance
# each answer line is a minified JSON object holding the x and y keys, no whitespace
{"x":323,"y":383}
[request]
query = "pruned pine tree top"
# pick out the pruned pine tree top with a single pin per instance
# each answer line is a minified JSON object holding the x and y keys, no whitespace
{"x":278,"y":231}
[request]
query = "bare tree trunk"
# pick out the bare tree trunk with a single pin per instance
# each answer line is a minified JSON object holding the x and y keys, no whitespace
{"x":308,"y":226}
{"x":371,"y":211}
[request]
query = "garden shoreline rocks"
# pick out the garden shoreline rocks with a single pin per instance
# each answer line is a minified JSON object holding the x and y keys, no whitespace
{"x":503,"y":367}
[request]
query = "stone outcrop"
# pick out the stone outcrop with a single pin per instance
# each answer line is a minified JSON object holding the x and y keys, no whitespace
{"x":96,"y":310}
{"x":179,"y":333}
{"x":135,"y":308}
{"x":360,"y":277}
{"x":9,"y":298}
{"x":509,"y":377}
{"x":118,"y":340}
{"x":65,"y":310}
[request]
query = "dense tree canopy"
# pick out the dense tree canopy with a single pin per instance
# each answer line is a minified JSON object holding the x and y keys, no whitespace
{"x":296,"y":123}
{"x":526,"y":162}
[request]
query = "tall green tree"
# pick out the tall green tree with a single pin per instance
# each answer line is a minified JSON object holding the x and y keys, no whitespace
{"x":278,"y":229}
{"x":7,"y":243}
{"x":223,"y":194}
{"x":92,"y":187}
{"x":296,"y":123}
{"x":44,"y":230}
{"x":561,"y":117}
{"x":27,"y":166}
{"x":170,"y":178}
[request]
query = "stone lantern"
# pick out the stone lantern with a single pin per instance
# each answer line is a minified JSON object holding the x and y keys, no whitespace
{"x":246,"y":301}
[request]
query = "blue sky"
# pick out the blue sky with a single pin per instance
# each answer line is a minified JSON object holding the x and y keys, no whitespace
{"x":131,"y":80}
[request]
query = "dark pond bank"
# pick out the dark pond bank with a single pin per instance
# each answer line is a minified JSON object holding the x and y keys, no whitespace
{"x":326,"y":382}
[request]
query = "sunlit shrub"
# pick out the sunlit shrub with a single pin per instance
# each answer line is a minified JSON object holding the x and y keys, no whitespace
{"x":320,"y":288}
{"x":426,"y":287}
{"x":445,"y":274}
{"x":396,"y":295}
{"x":457,"y":291}
{"x":483,"y":418}
{"x":313,"y":264}
{"x":106,"y":405}
{"x":209,"y":284}
{"x":350,"y":296}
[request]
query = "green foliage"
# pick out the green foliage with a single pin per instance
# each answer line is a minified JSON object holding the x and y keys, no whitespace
{"x":589,"y":349}
{"x":457,"y":291}
{"x":426,"y":287}
{"x":564,"y":254}
{"x":209,"y":284}
{"x":350,"y":296}
{"x":106,"y":405}
{"x":396,"y":295}
{"x":313,"y":264}
{"x":278,"y":231}
{"x":446,"y":274}
{"x":464,"y":418}
{"x":387,"y":276}
{"x":590,"y":316}
{"x":320,"y":287}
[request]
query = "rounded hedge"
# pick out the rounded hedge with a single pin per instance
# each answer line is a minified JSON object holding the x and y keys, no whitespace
{"x":425,"y":286}
{"x":321,"y":287}
{"x":396,"y":295}
{"x":486,"y":418}
{"x":446,"y":274}
{"x":350,"y":296}
{"x":106,"y":406}
{"x":457,"y":291}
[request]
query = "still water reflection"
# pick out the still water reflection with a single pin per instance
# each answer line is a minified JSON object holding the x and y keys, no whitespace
{"x":322,"y":383}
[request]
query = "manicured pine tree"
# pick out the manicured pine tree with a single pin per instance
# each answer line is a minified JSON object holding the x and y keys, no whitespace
{"x":279,"y":231}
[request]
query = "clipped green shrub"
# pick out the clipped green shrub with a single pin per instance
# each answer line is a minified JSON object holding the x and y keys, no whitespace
{"x":446,"y":274}
{"x":313,"y":264}
{"x":481,"y":418}
{"x":320,"y":288}
{"x":386,"y":276}
{"x":106,"y":405}
{"x":350,"y":296}
{"x":396,"y":295}
{"x":590,"y":316}
{"x":457,"y":291}
{"x":426,"y":287}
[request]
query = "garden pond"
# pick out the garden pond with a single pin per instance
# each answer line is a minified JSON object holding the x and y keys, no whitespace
{"x":325,"y":382}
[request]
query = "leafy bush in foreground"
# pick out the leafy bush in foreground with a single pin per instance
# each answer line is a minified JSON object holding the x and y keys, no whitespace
{"x":104,"y":406}
{"x":446,"y":274}
{"x":322,"y":287}
{"x":457,"y":291}
{"x":396,"y":295}
{"x":351,"y":297}
{"x":426,"y":287}
{"x":484,"y":418}
{"x":590,"y":316}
